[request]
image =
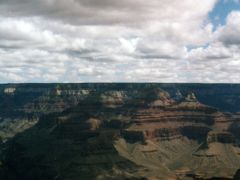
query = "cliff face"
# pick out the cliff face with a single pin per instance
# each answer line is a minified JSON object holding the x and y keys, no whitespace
{"x":116,"y":131}
{"x":187,"y":138}
{"x":23,"y":105}
{"x":187,"y":118}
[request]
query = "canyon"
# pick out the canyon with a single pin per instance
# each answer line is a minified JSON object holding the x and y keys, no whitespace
{"x":119,"y":131}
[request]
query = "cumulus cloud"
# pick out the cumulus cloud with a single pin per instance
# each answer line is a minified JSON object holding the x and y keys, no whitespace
{"x":108,"y":11}
{"x":229,"y":34}
{"x":110,"y":40}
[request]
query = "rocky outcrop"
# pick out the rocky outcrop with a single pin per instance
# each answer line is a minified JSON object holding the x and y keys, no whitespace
{"x":10,"y":127}
{"x":188,"y":118}
{"x":69,"y":92}
{"x":178,"y":96}
{"x":113,"y":98}
{"x":94,"y":124}
{"x":9,"y":91}
{"x":220,"y":137}
{"x":191,"y":103}
{"x":160,"y":99}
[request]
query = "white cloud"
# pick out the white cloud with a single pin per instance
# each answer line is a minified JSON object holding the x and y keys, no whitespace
{"x":108,"y":11}
{"x":109,"y":40}
{"x":229,"y":33}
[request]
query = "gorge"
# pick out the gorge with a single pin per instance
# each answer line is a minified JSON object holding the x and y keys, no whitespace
{"x":119,"y":131}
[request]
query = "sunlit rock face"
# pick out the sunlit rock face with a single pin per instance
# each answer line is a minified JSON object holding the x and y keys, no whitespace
{"x":119,"y":131}
{"x":9,"y":90}
{"x":113,"y":98}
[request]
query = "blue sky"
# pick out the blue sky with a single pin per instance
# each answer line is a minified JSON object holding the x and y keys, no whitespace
{"x":219,"y":14}
{"x":221,"y":10}
{"x":120,"y":41}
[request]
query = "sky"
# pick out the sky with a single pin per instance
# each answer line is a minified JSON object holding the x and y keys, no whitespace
{"x":119,"y":41}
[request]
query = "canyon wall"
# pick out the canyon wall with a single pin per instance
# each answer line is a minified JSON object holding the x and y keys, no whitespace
{"x":119,"y":131}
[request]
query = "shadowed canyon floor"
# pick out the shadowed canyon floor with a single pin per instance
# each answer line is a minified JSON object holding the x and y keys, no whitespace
{"x":119,"y":131}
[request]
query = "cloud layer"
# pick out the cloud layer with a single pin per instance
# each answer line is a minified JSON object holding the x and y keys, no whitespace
{"x":116,"y":41}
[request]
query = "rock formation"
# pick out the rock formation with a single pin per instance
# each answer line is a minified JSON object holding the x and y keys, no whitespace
{"x":112,"y":131}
